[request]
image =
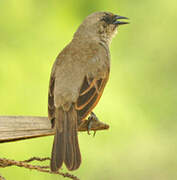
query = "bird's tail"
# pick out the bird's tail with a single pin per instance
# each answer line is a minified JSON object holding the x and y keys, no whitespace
{"x":65,"y":146}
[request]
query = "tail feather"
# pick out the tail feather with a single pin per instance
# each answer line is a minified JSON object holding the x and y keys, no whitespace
{"x":75,"y":156}
{"x":68,"y":159}
{"x":58,"y":149}
{"x":66,"y":146}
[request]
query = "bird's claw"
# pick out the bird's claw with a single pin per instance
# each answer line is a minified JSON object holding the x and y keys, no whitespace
{"x":91,"y":118}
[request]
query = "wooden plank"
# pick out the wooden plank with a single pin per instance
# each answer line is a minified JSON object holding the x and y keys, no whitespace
{"x":22,"y":127}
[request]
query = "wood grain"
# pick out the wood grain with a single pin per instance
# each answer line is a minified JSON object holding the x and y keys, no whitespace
{"x":23,"y":127}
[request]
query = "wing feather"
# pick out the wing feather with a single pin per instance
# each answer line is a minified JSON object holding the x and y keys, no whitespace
{"x":51,"y":107}
{"x":90,"y":93}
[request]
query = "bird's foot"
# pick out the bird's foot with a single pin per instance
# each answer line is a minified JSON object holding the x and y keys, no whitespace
{"x":92,"y":118}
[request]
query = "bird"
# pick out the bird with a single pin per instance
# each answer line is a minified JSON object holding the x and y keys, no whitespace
{"x":78,"y":78}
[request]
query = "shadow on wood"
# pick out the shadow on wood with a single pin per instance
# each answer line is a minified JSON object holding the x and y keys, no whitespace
{"x":22,"y":127}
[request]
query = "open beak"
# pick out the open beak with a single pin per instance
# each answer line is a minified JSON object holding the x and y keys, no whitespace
{"x":117,"y":18}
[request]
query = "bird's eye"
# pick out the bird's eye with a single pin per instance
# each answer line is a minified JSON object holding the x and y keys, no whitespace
{"x":107,"y":18}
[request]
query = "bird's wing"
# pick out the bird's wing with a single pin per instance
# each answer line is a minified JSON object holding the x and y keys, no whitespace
{"x":51,"y":107}
{"x":90,"y":93}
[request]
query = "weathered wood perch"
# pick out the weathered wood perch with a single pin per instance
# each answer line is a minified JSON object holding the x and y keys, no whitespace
{"x":22,"y":127}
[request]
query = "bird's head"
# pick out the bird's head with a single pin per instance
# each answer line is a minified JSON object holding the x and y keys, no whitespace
{"x":100,"y":26}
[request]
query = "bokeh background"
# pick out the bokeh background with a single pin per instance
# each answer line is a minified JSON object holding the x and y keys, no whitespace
{"x":139,"y":102}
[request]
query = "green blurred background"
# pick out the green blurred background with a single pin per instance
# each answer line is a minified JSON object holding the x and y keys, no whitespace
{"x":139,"y":102}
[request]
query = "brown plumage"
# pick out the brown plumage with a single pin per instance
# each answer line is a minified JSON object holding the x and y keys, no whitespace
{"x":77,"y":81}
